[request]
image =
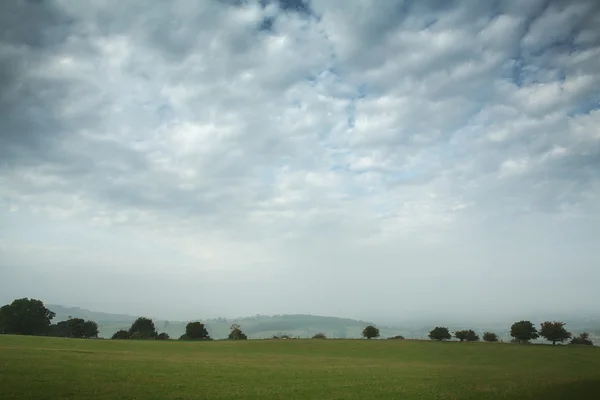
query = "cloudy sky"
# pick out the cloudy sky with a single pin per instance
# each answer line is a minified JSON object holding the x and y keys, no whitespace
{"x":359,"y":158}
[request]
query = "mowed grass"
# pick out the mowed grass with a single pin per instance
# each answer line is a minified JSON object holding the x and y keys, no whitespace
{"x":54,"y":368}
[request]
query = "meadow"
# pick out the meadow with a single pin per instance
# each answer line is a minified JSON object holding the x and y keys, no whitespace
{"x":58,"y":368}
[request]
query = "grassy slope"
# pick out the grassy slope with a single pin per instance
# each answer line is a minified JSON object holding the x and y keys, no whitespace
{"x":53,"y":368}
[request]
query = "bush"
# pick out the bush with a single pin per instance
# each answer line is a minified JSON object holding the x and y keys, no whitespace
{"x":583,"y":339}
{"x":163,"y":336}
{"x":137,"y":336}
{"x":121,"y":334}
{"x":319,"y":335}
{"x":398,"y":337}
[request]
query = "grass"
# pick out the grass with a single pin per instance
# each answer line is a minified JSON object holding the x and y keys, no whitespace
{"x":54,"y":368}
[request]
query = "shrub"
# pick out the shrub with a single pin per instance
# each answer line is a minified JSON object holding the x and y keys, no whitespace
{"x":121,"y":334}
{"x":583,"y":339}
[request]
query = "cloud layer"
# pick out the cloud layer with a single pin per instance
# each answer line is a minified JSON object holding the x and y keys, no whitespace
{"x":344,"y":157}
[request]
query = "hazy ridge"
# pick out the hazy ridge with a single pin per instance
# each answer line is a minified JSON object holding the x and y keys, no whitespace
{"x":302,"y":325}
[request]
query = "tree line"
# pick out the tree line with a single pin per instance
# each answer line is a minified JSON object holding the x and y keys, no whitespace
{"x":30,"y":317}
{"x":521,"y":332}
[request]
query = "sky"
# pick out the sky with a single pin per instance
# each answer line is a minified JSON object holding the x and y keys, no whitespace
{"x":357,"y":158}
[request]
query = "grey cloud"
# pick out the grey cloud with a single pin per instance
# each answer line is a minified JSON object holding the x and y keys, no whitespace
{"x":37,"y":24}
{"x":347,"y":139}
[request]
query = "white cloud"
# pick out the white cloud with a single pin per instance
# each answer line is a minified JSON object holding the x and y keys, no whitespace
{"x":364,"y":144}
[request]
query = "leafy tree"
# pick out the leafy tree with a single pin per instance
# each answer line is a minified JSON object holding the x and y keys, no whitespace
{"x":142,"y":328}
{"x":370,"y":332}
{"x":90,"y":329}
{"x":59,"y":329}
{"x":121,"y":334}
{"x":319,"y":335}
{"x":236,"y":333}
{"x":75,"y":327}
{"x":440,"y":333}
{"x":554,"y":331}
{"x":26,"y":317}
{"x":583,"y":338}
{"x":468,"y":335}
{"x":490,"y":337}
{"x":523,"y":331}
{"x":163,"y":336}
{"x":196,"y":331}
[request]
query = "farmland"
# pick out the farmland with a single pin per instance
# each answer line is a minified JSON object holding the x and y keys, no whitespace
{"x":52,"y":368}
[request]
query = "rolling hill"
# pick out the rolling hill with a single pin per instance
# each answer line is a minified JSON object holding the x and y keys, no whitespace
{"x":257,"y":327}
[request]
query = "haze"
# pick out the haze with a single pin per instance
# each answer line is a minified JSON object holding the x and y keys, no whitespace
{"x":380,"y":160}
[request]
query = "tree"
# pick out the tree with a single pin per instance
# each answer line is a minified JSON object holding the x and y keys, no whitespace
{"x":397,"y":337}
{"x":59,"y":329}
{"x":554,"y":331}
{"x":142,"y":328}
{"x":440,"y":333}
{"x":26,"y":317}
{"x":490,"y":337}
{"x":75,"y":327}
{"x":468,"y":335}
{"x":196,"y":331}
{"x":90,"y":329}
{"x":319,"y":335}
{"x":370,"y":332}
{"x":236,"y":333}
{"x":523,"y":331}
{"x":583,"y":339}
{"x":163,"y":336}
{"x":121,"y":334}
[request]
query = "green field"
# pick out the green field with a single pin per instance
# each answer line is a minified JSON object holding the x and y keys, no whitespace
{"x":55,"y":368}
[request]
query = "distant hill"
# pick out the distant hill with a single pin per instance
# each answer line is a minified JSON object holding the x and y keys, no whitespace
{"x":305,"y":326}
{"x":257,"y":327}
{"x":63,"y":313}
